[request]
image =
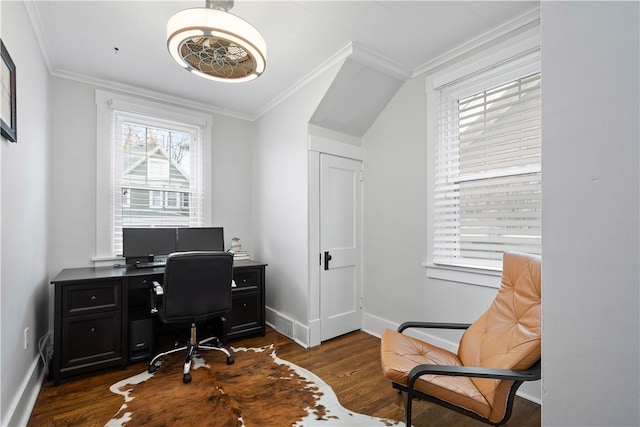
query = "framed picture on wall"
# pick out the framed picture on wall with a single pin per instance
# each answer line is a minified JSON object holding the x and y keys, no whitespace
{"x":8,"y":96}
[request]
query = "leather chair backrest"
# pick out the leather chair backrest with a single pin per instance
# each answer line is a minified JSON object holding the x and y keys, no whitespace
{"x":197,"y":286}
{"x":508,"y":334}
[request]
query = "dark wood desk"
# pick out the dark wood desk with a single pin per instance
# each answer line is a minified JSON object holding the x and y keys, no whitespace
{"x":95,"y":308}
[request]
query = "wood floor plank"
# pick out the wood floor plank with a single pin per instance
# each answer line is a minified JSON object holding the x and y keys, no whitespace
{"x":350,"y":364}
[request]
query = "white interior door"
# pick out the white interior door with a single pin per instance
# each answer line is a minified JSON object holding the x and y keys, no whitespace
{"x":340,"y":225}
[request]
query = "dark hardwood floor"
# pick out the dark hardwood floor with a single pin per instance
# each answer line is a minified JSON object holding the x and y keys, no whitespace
{"x":350,"y":364}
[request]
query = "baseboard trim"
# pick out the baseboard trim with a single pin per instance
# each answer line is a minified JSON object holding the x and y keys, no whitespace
{"x":374,"y":325}
{"x":24,"y":401}
{"x":276,"y":320}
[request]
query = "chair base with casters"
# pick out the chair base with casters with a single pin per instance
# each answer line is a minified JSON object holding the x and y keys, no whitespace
{"x":192,"y":347}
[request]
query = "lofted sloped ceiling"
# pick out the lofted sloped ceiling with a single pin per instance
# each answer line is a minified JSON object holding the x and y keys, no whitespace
{"x":122,"y":44}
{"x":355,"y":98}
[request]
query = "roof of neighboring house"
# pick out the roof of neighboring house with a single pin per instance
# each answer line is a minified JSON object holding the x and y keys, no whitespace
{"x":157,"y":149}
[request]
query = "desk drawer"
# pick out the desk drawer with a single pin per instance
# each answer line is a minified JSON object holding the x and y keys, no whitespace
{"x":246,"y":278}
{"x":245,"y":311}
{"x":143,"y":282}
{"x":91,"y":339}
{"x":91,"y":298}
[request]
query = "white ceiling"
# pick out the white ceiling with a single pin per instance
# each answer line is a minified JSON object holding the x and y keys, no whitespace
{"x":79,"y":40}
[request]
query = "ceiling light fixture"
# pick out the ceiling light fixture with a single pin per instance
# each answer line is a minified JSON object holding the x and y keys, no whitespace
{"x":215,"y":44}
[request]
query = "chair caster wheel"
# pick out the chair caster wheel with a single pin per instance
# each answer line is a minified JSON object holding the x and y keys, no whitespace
{"x":152,"y":369}
{"x":186,"y":378}
{"x":230,"y":360}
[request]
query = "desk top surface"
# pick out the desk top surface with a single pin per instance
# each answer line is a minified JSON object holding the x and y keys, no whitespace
{"x":112,"y":272}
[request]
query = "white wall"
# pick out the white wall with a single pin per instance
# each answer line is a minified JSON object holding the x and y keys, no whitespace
{"x":590,"y":187}
{"x":394,"y":207}
{"x":590,"y":225}
{"x":280,"y":203}
{"x":24,"y":225}
{"x":396,"y":285}
{"x":73,"y":176}
{"x":232,"y":179}
{"x":591,"y":260}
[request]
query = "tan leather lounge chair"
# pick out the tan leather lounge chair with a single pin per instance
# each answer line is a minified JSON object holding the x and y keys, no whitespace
{"x":496,"y":354}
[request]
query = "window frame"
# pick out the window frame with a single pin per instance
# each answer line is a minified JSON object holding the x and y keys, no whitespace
{"x":464,"y":185}
{"x":518,"y":50}
{"x":106,"y":102}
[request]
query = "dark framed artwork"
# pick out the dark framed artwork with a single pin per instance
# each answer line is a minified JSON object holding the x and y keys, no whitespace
{"x":8,"y":96}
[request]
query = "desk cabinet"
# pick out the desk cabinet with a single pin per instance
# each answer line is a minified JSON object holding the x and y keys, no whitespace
{"x":87,"y":327}
{"x":93,"y":308}
{"x":247,"y":301}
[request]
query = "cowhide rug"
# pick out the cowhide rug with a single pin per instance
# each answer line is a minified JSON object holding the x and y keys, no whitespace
{"x":259,"y":389}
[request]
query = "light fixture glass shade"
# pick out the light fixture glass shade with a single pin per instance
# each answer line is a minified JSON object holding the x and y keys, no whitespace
{"x":216,"y":45}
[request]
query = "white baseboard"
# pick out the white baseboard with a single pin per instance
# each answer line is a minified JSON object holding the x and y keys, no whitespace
{"x":374,"y":325}
{"x":283,"y":325}
{"x":23,"y":402}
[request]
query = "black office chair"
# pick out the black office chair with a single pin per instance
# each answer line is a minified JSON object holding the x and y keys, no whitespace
{"x":196,"y":287}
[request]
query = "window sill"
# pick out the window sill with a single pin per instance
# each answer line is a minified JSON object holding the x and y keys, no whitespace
{"x":471,"y":276}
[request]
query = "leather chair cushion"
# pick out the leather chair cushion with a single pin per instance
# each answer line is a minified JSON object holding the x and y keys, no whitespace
{"x":400,"y":353}
{"x":508,"y":334}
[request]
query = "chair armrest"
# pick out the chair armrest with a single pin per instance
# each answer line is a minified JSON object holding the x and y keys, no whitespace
{"x":531,"y":374}
{"x":154,"y":293}
{"x":433,"y":325}
{"x":157,"y":288}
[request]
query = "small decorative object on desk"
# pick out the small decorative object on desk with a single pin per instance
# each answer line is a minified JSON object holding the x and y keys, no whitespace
{"x":237,"y":251}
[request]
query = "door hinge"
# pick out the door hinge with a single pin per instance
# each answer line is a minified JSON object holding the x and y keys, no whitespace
{"x":361,"y":175}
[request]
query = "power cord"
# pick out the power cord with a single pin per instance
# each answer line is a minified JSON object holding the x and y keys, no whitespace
{"x":46,"y":351}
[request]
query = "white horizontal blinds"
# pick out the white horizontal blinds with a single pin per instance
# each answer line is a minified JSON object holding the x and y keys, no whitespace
{"x":488,"y":174}
{"x":157,"y":173}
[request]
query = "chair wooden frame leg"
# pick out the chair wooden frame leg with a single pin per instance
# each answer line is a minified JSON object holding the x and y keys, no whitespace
{"x":409,"y":393}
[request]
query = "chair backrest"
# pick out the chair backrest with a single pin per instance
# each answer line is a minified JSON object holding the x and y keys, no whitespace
{"x":508,"y":334}
{"x":197,"y":286}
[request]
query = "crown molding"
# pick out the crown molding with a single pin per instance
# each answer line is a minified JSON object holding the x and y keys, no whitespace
{"x":352,"y":50}
{"x":152,"y":95}
{"x":369,"y":58}
{"x":36,"y":24}
{"x":45,"y":48}
{"x":332,"y":61}
{"x":521,"y":23}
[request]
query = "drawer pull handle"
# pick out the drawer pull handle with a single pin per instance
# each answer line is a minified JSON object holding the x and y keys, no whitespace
{"x":92,"y":330}
{"x":93,"y":298}
{"x":244,"y":305}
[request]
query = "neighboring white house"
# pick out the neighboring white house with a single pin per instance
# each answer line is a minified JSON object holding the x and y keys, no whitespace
{"x":154,"y":186}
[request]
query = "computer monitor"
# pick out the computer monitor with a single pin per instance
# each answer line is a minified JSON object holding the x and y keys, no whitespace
{"x":143,"y":244}
{"x":200,"y":239}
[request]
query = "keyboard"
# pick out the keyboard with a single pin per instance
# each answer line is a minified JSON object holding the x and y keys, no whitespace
{"x":151,"y":264}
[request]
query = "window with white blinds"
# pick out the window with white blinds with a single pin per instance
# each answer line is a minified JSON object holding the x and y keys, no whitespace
{"x":488,"y":171}
{"x":157,"y":173}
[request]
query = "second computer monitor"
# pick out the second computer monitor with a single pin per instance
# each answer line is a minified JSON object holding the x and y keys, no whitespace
{"x":200,"y":239}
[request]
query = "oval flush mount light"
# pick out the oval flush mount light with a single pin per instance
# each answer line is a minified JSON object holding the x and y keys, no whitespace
{"x":215,"y":44}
